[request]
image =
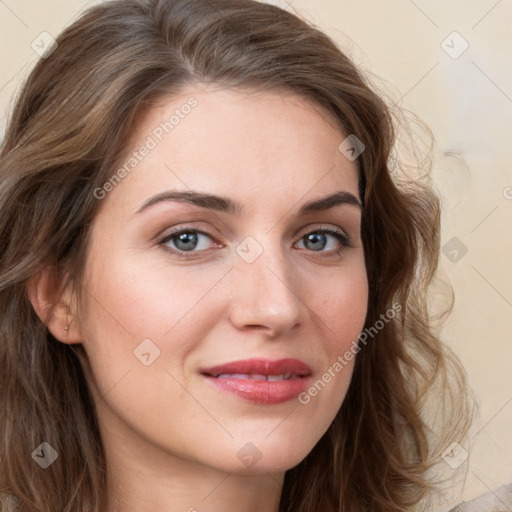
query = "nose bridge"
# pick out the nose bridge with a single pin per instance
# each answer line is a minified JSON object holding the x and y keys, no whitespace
{"x":267,"y":294}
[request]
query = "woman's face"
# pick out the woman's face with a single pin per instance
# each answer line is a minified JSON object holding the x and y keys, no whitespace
{"x":176,"y":288}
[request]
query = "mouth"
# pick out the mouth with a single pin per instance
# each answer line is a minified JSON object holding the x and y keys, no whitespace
{"x":255,"y":376}
{"x":260,"y":381}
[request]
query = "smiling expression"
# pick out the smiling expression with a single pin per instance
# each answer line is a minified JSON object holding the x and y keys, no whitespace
{"x":236,"y":239}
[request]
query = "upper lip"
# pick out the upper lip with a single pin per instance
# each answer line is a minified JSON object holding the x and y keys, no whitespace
{"x":260,"y":367}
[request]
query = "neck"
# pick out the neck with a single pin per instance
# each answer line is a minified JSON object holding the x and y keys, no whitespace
{"x":190,"y":487}
{"x":143,"y":476}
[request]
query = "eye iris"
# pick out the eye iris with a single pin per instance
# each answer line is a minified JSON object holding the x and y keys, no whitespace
{"x":186,"y":241}
{"x":318,"y":240}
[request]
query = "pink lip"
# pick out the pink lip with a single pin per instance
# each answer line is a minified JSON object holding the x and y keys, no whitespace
{"x":260,"y":366}
{"x":261,"y":391}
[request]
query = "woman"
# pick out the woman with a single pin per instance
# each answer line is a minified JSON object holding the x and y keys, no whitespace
{"x":214,"y":275}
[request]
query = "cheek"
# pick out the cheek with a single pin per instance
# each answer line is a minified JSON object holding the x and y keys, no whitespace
{"x":343,"y":305}
{"x":128,"y":302}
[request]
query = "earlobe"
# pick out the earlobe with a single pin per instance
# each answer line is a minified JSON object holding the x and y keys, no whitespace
{"x":54,"y":306}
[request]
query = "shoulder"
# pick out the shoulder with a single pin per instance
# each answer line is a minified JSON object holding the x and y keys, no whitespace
{"x":497,"y":500}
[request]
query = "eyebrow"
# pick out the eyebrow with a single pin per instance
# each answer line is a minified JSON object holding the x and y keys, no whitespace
{"x":227,"y":205}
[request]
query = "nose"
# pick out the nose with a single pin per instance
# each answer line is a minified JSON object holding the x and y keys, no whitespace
{"x":266,"y":293}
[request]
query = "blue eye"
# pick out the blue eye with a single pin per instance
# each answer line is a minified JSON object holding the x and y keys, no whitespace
{"x":185,"y":240}
{"x":319,"y":239}
{"x":190,"y":240}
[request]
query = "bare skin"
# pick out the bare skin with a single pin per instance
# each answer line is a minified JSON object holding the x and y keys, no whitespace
{"x":172,"y":439}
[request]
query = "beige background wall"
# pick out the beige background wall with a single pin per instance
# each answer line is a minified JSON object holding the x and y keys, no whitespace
{"x":465,"y":95}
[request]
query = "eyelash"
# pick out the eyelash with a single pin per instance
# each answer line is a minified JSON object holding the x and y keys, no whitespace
{"x":345,"y":241}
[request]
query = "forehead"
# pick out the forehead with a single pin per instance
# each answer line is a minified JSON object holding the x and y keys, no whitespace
{"x":261,"y":145}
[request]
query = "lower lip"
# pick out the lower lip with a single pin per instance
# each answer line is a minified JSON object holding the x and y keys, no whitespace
{"x":262,"y":391}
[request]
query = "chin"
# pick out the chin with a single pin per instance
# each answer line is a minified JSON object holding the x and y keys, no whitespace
{"x":276,"y":453}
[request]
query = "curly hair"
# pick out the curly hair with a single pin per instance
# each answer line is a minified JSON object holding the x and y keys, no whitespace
{"x":69,"y":126}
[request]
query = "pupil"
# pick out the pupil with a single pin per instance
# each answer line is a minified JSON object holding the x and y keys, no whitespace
{"x":186,"y":241}
{"x":318,"y":240}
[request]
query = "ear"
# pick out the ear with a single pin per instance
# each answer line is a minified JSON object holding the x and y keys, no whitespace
{"x":54,"y":305}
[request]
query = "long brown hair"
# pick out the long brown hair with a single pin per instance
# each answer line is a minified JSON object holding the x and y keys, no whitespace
{"x":69,"y":126}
